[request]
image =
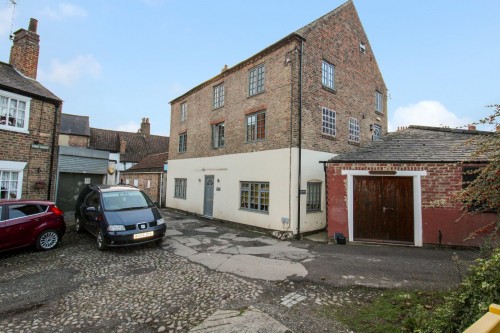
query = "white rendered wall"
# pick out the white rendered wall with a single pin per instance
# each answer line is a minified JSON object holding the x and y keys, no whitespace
{"x":271,"y":166}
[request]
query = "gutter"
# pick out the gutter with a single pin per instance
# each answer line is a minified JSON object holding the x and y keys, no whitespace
{"x":300,"y":138}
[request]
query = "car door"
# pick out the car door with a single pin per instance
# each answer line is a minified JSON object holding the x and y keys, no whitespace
{"x":90,"y":218}
{"x":21,"y":221}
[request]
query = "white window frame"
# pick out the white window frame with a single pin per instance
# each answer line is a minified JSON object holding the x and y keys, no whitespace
{"x":17,"y":167}
{"x":136,"y":182}
{"x":256,"y":80}
{"x":183,"y":142}
{"x":219,"y":92}
{"x":329,"y":122}
{"x":19,"y":98}
{"x":180,"y":188}
{"x":377,"y":132}
{"x":379,"y":102}
{"x":183,"y":112}
{"x":354,"y":130}
{"x":218,"y":136}
{"x":328,"y":75}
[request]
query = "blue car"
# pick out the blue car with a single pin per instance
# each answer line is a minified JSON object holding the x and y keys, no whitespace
{"x":118,"y":215}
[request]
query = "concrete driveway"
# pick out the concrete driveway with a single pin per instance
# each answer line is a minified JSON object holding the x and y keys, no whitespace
{"x":229,"y":248}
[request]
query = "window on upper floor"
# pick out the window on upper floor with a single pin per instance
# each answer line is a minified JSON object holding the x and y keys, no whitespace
{"x":219,"y":96}
{"x":14,"y":112}
{"x":183,"y":111}
{"x":362,"y":47}
{"x":379,"y":102}
{"x":182,"y":142}
{"x":180,"y":188}
{"x":354,"y":130}
{"x":377,"y":132}
{"x":218,"y":135}
{"x":313,"y":203}
{"x":329,"y":122}
{"x":328,"y":75}
{"x":254,"y":196}
{"x":256,"y":126}
{"x":256,"y":80}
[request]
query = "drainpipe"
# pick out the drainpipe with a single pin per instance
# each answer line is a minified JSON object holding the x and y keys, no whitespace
{"x":325,"y":167}
{"x":300,"y":136}
{"x":54,"y":137}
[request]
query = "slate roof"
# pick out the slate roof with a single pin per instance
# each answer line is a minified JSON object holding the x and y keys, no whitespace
{"x":152,"y":163}
{"x":75,"y":125}
{"x":12,"y":80}
{"x":418,"y":144}
{"x":138,"y":145}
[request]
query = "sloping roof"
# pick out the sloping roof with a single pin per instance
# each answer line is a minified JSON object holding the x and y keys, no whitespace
{"x":75,"y":125}
{"x":12,"y":80}
{"x":152,"y":163}
{"x":418,"y":144}
{"x":138,"y":145}
{"x":302,"y":31}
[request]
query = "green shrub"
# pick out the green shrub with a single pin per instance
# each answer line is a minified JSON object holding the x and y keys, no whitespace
{"x":464,"y":306}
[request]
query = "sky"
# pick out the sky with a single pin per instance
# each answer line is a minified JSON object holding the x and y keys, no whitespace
{"x":118,"y":61}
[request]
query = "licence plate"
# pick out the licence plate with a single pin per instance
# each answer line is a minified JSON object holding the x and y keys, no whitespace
{"x":144,"y":235}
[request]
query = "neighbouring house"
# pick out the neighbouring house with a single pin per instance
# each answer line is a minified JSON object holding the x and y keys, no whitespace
{"x":150,"y":176}
{"x":98,"y":156}
{"x":29,"y":123}
{"x":399,"y":189}
{"x":246,"y":144}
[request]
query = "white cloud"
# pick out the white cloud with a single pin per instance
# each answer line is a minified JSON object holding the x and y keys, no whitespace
{"x":426,"y":113}
{"x":128,"y":127}
{"x":64,"y":11}
{"x":71,"y":71}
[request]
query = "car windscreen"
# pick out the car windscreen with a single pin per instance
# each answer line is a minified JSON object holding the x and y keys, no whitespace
{"x":125,"y":200}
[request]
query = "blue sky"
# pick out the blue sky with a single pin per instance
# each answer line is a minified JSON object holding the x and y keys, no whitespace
{"x":118,"y":61}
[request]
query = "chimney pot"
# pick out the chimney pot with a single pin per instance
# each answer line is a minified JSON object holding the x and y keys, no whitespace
{"x":33,"y":25}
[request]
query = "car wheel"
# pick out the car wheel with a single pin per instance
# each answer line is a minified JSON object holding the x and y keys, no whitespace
{"x":47,"y":240}
{"x":78,"y":225}
{"x":101,"y":245}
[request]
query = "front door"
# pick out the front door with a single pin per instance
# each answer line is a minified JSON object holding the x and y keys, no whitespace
{"x":383,"y":209}
{"x":208,"y":206}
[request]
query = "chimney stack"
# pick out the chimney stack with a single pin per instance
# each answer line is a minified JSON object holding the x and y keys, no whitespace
{"x":472,"y":127}
{"x":25,"y":50}
{"x":145,"y":127}
{"x":498,"y":128}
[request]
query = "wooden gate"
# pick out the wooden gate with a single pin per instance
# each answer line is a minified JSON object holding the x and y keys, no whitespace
{"x":383,"y":209}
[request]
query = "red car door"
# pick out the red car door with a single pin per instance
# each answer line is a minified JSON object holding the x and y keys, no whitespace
{"x":20,"y":225}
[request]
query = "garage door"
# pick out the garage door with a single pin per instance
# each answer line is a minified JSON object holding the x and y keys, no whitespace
{"x":383,"y":209}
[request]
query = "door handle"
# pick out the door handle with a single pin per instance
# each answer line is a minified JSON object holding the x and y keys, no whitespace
{"x":384,"y":209}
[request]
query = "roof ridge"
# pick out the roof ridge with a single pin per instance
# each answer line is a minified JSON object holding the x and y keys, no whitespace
{"x":313,"y":23}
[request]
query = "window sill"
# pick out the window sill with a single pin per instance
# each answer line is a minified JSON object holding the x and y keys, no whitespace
{"x":329,"y":137}
{"x":354,"y":143}
{"x":14,"y":129}
{"x":254,"y":211}
{"x":333,"y":91}
{"x":379,"y":113}
{"x":179,"y":198}
{"x":313,"y":211}
{"x":217,"y":108}
{"x":260,"y":93}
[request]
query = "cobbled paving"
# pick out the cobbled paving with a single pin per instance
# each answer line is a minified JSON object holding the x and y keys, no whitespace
{"x":139,"y":289}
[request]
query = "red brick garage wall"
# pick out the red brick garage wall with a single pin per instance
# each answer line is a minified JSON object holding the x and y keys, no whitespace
{"x":440,"y":215}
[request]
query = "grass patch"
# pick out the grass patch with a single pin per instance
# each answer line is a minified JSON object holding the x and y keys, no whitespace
{"x":381,"y":311}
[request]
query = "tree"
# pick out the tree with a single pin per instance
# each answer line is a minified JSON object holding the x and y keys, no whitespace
{"x":483,"y":193}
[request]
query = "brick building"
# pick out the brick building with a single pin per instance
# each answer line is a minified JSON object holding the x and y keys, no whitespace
{"x":98,"y":156}
{"x":399,"y":189}
{"x":245,"y":145}
{"x":150,"y":176}
{"x":29,"y":123}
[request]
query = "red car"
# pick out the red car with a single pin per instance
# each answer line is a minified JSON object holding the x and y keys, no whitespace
{"x":30,"y":222}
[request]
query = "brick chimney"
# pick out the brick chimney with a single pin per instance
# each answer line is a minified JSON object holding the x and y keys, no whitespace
{"x":471,"y":127}
{"x":123,"y":146}
{"x":25,"y":50}
{"x":145,"y":127}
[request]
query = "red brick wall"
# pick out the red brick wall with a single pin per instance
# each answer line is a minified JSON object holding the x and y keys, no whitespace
{"x":17,"y":147}
{"x":439,"y":212}
{"x":155,"y":183}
